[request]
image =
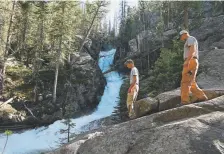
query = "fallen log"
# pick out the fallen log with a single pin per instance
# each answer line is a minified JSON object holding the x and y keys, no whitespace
{"x":7,"y":102}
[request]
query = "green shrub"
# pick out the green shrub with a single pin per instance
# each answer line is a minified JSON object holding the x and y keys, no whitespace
{"x":166,"y":74}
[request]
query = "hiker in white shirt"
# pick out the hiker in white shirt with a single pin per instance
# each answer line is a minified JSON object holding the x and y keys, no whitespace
{"x":134,"y":85}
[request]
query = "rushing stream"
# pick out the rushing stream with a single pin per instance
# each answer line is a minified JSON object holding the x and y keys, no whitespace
{"x":48,"y":138}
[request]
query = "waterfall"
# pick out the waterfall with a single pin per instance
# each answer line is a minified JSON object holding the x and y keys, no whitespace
{"x":48,"y":137}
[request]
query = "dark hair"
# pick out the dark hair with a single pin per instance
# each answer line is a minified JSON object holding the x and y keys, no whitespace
{"x":129,"y":61}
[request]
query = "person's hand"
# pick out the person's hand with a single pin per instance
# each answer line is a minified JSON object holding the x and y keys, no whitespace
{"x":189,"y":72}
{"x":129,"y":90}
{"x":186,"y":64}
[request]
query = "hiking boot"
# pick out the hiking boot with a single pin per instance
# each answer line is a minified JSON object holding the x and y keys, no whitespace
{"x":203,"y":99}
{"x":185,"y":103}
{"x":131,"y":114}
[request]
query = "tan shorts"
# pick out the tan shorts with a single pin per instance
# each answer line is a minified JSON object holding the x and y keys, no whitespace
{"x":132,"y":97}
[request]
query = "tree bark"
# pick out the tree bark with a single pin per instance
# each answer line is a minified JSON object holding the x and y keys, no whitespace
{"x":7,"y":137}
{"x":39,"y":49}
{"x":1,"y":81}
{"x":56,"y":74}
{"x":222,"y":7}
{"x":168,"y":15}
{"x":58,"y":61}
{"x":3,"y":67}
{"x":8,"y":32}
{"x":25,"y":22}
{"x":186,"y":15}
{"x":89,"y":29}
{"x":69,"y":131}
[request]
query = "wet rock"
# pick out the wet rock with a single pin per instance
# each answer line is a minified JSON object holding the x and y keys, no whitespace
{"x":51,"y":118}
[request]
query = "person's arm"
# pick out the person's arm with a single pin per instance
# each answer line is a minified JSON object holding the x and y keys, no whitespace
{"x":191,"y":52}
{"x":192,"y":45}
{"x":133,"y":83}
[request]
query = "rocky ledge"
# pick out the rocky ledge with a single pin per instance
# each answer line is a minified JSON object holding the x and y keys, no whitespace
{"x":194,"y":128}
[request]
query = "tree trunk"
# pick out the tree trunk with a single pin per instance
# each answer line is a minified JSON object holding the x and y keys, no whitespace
{"x":2,"y":69}
{"x":37,"y":53}
{"x":69,"y":58}
{"x":124,"y":9}
{"x":148,"y":59}
{"x":162,"y":29}
{"x":186,"y":15}
{"x":8,"y":33}
{"x":1,"y":79}
{"x":24,"y":35}
{"x":58,"y":61}
{"x":141,"y":64}
{"x":69,"y":130}
{"x":89,"y":29}
{"x":56,"y":72}
{"x":222,"y":7}
{"x":168,"y":14}
{"x":5,"y":144}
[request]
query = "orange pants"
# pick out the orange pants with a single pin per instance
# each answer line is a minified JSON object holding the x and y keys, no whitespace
{"x":188,"y":82}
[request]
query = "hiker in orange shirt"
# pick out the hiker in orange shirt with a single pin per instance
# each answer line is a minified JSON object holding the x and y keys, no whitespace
{"x":190,"y":69}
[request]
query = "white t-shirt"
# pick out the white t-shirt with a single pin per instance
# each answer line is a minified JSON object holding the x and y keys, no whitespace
{"x":134,"y":71}
{"x":190,"y":41}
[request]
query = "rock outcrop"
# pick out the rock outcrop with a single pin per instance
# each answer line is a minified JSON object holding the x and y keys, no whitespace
{"x":10,"y":115}
{"x":209,"y":33}
{"x":88,"y":82}
{"x":84,"y":90}
{"x":146,"y":43}
{"x":212,"y":65}
{"x":166,"y":101}
{"x":195,"y":128}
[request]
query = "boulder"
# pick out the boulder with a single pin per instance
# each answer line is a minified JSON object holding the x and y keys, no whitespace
{"x":9,"y":115}
{"x":87,"y":82}
{"x":144,"y":106}
{"x":51,"y":118}
{"x":133,"y":45}
{"x":166,"y":101}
